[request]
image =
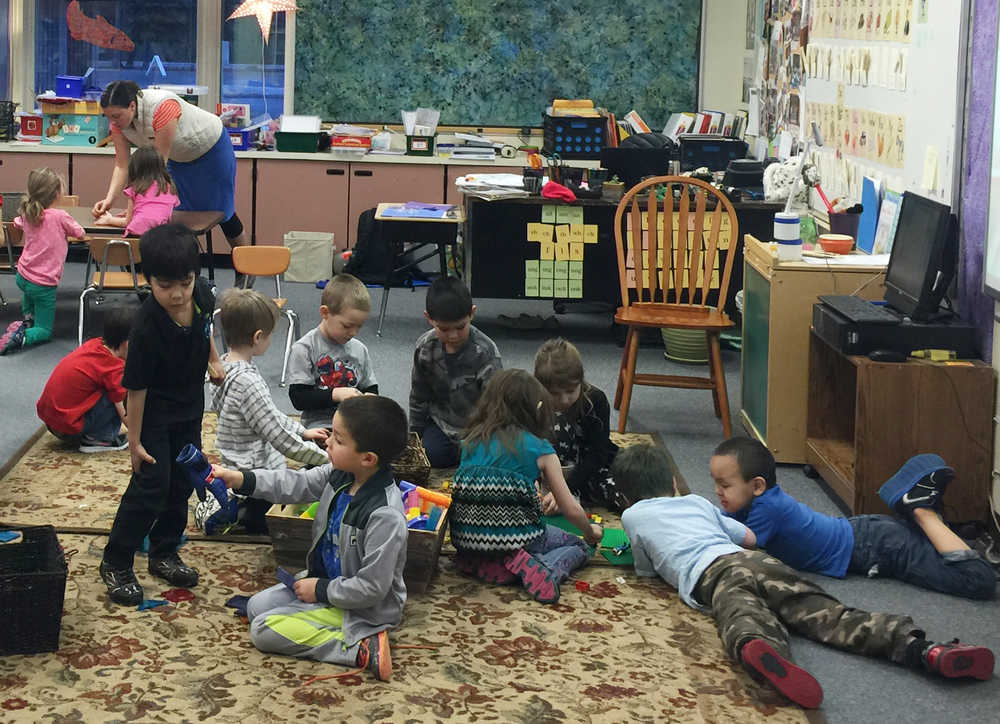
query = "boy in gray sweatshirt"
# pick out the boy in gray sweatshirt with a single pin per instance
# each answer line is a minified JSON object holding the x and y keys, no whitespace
{"x":339,"y":609}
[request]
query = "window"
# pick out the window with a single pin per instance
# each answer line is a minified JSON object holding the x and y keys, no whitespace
{"x":252,"y":72}
{"x":148,"y":41}
{"x":4,"y":49}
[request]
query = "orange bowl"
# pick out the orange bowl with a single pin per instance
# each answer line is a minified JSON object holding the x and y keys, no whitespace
{"x":836,"y":243}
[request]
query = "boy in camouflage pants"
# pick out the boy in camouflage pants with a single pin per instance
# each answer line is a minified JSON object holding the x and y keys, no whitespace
{"x":754,"y":597}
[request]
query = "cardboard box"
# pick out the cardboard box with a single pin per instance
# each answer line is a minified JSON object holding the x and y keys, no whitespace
{"x":243,"y":139}
{"x":31,"y":126}
{"x":291,"y":537}
{"x":70,"y":129}
{"x":350,"y":142}
{"x":68,"y":105}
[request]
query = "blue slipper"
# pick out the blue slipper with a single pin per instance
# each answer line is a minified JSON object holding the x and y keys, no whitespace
{"x":913,"y":471}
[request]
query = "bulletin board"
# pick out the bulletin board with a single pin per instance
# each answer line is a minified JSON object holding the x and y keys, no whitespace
{"x":885,"y":81}
{"x":494,"y":62}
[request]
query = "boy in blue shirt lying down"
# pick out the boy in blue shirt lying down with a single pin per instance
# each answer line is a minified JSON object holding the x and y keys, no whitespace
{"x":917,"y":547}
{"x":754,"y":598}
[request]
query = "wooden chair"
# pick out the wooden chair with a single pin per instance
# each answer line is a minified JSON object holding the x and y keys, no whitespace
{"x":674,"y":280}
{"x":66,"y":202}
{"x":263,"y":261}
{"x":108,"y":252}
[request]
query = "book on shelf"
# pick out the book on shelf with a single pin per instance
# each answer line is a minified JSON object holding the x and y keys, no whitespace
{"x":679,"y":123}
{"x":635,"y":122}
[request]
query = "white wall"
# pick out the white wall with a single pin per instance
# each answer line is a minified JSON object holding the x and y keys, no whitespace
{"x":723,"y":41}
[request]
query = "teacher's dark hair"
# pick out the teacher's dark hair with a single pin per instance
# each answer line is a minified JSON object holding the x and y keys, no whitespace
{"x":120,"y":93}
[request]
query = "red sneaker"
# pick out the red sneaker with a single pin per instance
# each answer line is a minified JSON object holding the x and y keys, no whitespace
{"x":956,"y":660}
{"x":536,"y":577}
{"x":794,"y":682}
{"x":373,"y":654}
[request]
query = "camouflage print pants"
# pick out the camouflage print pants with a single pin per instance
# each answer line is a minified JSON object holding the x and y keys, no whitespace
{"x":753,"y":595}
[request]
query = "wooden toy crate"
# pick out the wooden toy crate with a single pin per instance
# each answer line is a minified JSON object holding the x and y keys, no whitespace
{"x":32,"y":588}
{"x":291,"y":537}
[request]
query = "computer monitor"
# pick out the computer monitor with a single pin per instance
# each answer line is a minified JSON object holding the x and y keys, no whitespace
{"x":922,"y":262}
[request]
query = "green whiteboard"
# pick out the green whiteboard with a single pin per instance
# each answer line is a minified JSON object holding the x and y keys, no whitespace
{"x":493,"y":62}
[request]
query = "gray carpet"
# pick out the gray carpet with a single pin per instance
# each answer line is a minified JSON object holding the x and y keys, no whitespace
{"x":856,"y":689}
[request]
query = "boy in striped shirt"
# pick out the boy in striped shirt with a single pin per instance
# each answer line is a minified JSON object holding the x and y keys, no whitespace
{"x":252,"y":432}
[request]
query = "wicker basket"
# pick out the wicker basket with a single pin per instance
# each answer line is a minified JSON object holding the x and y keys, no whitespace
{"x":412,"y":465}
{"x":32,"y":588}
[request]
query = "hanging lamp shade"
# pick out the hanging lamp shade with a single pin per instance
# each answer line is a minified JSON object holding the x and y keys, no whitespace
{"x":263,"y":10}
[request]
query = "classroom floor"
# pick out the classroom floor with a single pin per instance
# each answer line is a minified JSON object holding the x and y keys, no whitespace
{"x":856,"y":689}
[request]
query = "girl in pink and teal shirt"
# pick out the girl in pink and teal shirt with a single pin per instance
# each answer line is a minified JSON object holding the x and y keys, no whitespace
{"x":150,"y":191}
{"x":40,"y":266}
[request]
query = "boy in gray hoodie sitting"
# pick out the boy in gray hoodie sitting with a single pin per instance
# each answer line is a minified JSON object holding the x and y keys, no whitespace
{"x":339,"y":609}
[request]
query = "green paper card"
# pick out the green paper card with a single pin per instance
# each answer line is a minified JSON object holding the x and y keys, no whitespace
{"x":545,"y":268}
{"x":569,"y":214}
{"x":531,"y":286}
{"x":574,"y":289}
{"x":545,"y":286}
{"x":549,"y":214}
{"x":531,"y":267}
{"x":560,"y":289}
{"x":560,"y":269}
{"x":575,"y":269}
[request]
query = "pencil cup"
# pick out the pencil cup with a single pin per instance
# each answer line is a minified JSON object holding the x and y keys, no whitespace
{"x":786,"y":233}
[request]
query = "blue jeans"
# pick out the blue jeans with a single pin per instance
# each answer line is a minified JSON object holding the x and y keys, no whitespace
{"x":101,"y":422}
{"x":901,"y":551}
{"x":559,"y":551}
{"x":442,"y":451}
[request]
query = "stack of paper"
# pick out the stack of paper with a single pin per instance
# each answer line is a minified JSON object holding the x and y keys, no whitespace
{"x":492,"y":186}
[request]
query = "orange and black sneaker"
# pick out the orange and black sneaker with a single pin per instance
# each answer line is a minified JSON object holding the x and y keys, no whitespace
{"x":955,"y":660}
{"x":373,"y":654}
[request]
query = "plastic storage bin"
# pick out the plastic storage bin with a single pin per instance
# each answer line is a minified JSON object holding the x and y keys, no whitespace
{"x":32,"y":589}
{"x":574,"y":137}
{"x":291,"y":142}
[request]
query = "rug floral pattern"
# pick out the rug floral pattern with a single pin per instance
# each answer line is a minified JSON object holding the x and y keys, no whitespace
{"x":623,"y":650}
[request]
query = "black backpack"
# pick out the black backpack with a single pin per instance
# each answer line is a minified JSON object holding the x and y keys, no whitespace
{"x":371,"y":255}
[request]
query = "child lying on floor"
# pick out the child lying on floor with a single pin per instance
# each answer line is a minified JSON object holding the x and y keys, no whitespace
{"x":754,"y":598}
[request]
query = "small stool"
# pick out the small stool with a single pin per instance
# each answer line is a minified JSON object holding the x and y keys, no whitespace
{"x":201,"y":222}
{"x":418,"y":232}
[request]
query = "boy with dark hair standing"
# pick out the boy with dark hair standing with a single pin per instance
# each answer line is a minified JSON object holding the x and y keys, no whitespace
{"x":452,"y":363}
{"x":352,"y":591}
{"x":328,"y":364}
{"x":754,"y":598}
{"x":918,"y":547}
{"x":83,"y":401}
{"x":169,"y":349}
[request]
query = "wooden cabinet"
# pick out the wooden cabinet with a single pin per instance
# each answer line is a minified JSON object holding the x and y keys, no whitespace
{"x":451,"y":194}
{"x":375,"y":183}
{"x":301,"y":196}
{"x":777,"y":314}
{"x":243,"y":200}
{"x":868,"y":418}
{"x":14,"y":168}
{"x":91,"y":176}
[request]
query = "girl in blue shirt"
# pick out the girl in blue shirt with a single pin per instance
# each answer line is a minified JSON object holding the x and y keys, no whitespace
{"x":496,"y":523}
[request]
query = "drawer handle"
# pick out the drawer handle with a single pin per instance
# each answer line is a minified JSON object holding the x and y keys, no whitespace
{"x":335,"y":172}
{"x":362,"y":173}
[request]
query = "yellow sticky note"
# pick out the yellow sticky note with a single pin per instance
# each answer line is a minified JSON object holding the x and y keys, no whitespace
{"x":562,"y":250}
{"x":575,"y":269}
{"x":539,"y":232}
{"x":562,"y":233}
{"x":560,"y":288}
{"x":545,"y":269}
{"x":545,"y":287}
{"x":576,"y":251}
{"x":576,"y":233}
{"x":590,"y":233}
{"x":548,"y":250}
{"x":561,"y":270}
{"x":531,"y":287}
{"x":549,"y":214}
{"x":569,"y":214}
{"x":575,"y":290}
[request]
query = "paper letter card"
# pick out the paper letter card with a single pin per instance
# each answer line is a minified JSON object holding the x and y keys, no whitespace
{"x":548,"y":250}
{"x":576,"y":252}
{"x":531,"y":286}
{"x":549,"y":214}
{"x":531,"y":268}
{"x":569,"y":214}
{"x":562,"y":250}
{"x":576,"y":233}
{"x":560,"y":288}
{"x":561,"y":269}
{"x":590,"y":233}
{"x":545,"y":269}
{"x":545,"y":286}
{"x":575,"y":289}
{"x":562,"y":233}
{"x":576,"y":270}
{"x":539,"y":232}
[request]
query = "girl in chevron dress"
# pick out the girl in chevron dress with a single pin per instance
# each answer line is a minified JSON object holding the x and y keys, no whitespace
{"x":496,"y":514}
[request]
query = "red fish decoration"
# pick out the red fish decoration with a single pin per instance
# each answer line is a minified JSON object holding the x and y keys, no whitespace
{"x":96,"y":31}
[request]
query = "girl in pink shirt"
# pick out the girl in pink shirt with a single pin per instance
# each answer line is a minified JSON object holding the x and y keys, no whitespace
{"x":150,"y":191}
{"x":40,"y":265}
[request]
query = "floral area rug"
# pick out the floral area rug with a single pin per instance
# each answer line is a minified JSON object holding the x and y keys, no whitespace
{"x":53,"y":484}
{"x":624,"y":649}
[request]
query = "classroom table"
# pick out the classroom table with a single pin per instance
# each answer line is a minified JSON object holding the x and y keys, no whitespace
{"x":398,"y":231}
{"x":199,"y":222}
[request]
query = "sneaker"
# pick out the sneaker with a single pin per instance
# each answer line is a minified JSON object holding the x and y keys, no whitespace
{"x":956,"y":660}
{"x":13,"y":338}
{"x":173,"y":570}
{"x":535,"y":576}
{"x":90,"y":444}
{"x":373,"y":654}
{"x":793,"y":681}
{"x":122,"y":585}
{"x":919,"y":483}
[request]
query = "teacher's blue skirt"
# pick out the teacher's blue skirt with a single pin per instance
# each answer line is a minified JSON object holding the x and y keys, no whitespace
{"x":209,"y":182}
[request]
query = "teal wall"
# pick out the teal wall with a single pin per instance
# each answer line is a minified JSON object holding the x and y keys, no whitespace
{"x":494,"y":62}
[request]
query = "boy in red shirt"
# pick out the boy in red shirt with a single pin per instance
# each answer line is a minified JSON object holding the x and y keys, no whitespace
{"x":82,"y":401}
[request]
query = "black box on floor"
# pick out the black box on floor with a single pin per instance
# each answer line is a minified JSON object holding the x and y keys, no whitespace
{"x":32,"y":588}
{"x":854,"y":338}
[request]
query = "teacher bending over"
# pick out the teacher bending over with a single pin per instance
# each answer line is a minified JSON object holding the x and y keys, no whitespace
{"x":197,"y":149}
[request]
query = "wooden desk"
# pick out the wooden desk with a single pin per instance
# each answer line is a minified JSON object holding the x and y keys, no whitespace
{"x":867,"y":418}
{"x":199,"y":222}
{"x":399,"y":231}
{"x":777,"y":314}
